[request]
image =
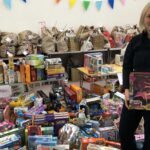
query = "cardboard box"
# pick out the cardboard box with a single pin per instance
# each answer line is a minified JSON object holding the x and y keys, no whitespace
{"x":75,"y":75}
{"x":139,"y":91}
{"x":99,"y":89}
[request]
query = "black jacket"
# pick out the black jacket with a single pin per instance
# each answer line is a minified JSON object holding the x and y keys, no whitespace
{"x":137,"y":57}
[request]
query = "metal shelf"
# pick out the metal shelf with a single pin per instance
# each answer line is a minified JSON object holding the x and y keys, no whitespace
{"x":15,"y":58}
{"x":77,"y":52}
{"x":36,"y":82}
{"x":71,"y":52}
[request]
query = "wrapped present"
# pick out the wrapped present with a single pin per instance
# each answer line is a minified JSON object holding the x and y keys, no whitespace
{"x":68,"y":134}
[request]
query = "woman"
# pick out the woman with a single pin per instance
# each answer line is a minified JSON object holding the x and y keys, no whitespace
{"x":137,"y":58}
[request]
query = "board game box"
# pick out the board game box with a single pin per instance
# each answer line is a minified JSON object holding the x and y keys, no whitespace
{"x":139,"y":90}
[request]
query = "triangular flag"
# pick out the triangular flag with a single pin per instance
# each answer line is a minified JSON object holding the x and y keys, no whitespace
{"x":24,"y":1}
{"x":72,"y":3}
{"x":86,"y":4}
{"x":7,"y":3}
{"x":57,"y":1}
{"x":123,"y":2}
{"x":99,"y":4}
{"x":111,"y":3}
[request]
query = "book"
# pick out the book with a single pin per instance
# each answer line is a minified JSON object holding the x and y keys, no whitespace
{"x":139,"y":90}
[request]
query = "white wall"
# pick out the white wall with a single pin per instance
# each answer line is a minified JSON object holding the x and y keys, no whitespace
{"x":27,"y":16}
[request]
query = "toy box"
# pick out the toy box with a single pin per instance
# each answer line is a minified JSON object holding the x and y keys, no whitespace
{"x":34,"y":141}
{"x":86,"y":141}
{"x":119,"y":59}
{"x":99,"y":147}
{"x":45,"y":131}
{"x":57,"y":147}
{"x":60,"y":119}
{"x":93,"y":62}
{"x":99,"y":141}
{"x":99,"y":89}
{"x":94,"y":106}
{"x":106,"y":69}
{"x":139,"y":90}
{"x":109,"y":133}
{"x":16,"y":131}
{"x":78,"y":92}
{"x":10,"y":141}
{"x":35,"y":60}
{"x":70,"y":93}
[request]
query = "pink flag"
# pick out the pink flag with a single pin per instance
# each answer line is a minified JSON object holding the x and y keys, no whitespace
{"x":123,"y":2}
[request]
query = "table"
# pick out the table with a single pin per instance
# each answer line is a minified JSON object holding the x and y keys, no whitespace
{"x":84,"y":71}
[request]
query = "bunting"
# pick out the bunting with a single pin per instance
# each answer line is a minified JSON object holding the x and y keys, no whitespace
{"x":57,"y":1}
{"x":123,"y":2}
{"x":86,"y":4}
{"x":98,"y":4}
{"x":111,"y":3}
{"x":72,"y":3}
{"x":24,"y":1}
{"x":7,"y":3}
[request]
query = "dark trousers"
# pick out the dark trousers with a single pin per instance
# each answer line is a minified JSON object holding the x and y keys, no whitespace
{"x":128,"y":124}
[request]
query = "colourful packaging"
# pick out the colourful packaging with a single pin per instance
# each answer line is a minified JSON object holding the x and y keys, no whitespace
{"x":34,"y":141}
{"x":22,"y":73}
{"x":109,"y":133}
{"x":33,"y":74}
{"x":27,"y":72}
{"x":139,"y":90}
{"x":78,"y":92}
{"x":10,"y":141}
{"x":16,"y":131}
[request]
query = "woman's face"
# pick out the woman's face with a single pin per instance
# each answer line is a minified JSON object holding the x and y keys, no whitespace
{"x":147,"y":20}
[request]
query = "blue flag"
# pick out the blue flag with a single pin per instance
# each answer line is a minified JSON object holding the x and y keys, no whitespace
{"x":111,"y":3}
{"x":98,"y":4}
{"x":24,"y":1}
{"x":7,"y":3}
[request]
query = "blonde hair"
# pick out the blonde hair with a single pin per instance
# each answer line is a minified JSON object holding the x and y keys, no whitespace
{"x":141,"y":22}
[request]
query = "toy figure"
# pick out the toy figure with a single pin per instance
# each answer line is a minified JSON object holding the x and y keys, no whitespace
{"x":81,"y":113}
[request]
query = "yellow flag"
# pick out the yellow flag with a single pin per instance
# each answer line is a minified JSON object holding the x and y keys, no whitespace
{"x":72,"y":3}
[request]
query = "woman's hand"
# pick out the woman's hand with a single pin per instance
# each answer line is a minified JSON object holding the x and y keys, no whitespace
{"x":126,"y":93}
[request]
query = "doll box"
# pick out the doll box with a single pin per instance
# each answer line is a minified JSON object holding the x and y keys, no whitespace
{"x":139,"y":90}
{"x":109,"y":133}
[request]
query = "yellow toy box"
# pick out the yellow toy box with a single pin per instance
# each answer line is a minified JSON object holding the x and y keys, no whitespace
{"x":78,"y":92}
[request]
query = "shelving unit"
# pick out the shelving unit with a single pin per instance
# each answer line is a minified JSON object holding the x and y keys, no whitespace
{"x":15,"y":58}
{"x":36,"y":82}
{"x":71,"y":52}
{"x":77,"y":58}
